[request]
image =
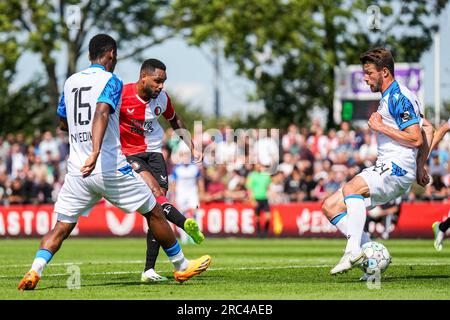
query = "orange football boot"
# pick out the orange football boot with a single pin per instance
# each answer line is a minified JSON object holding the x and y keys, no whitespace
{"x":194,"y":268}
{"x":29,"y":281}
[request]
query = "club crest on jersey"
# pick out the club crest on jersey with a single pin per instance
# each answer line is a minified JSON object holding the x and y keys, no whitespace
{"x":158,"y":110}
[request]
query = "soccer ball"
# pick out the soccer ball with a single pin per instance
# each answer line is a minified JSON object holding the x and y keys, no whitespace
{"x":377,"y":258}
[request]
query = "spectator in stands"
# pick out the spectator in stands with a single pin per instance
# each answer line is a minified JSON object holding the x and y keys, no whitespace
{"x":318,"y":143}
{"x":267,"y":149}
{"x":29,"y":187}
{"x":437,"y":190}
{"x":292,"y":186}
{"x":215,"y":188}
{"x":236,"y":191}
{"x":436,"y":167}
{"x":287,"y":165}
{"x":4,"y":149}
{"x":43,"y":191}
{"x":16,"y":161}
{"x":275,"y":193}
{"x":48,"y":148}
{"x":319,"y":192}
{"x":290,"y":141}
{"x":62,"y":140}
{"x":3,"y":185}
{"x":15,"y":191}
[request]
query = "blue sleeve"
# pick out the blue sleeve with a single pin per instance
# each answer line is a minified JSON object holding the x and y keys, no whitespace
{"x":61,"y":111}
{"x":174,"y":173}
{"x":112,"y":92}
{"x":403,"y":111}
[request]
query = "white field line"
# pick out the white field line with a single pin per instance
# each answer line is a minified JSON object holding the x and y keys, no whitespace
{"x":65,"y":264}
{"x":229,"y":268}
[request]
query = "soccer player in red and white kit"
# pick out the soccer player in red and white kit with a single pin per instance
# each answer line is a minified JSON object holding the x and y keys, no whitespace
{"x":141,"y":137}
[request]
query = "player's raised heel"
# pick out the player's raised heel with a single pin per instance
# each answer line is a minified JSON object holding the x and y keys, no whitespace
{"x":194,"y":268}
{"x":29,"y":281}
{"x":192,"y":229}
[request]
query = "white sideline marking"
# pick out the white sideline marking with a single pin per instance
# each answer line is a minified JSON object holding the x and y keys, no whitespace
{"x":64,"y":264}
{"x":228,"y":268}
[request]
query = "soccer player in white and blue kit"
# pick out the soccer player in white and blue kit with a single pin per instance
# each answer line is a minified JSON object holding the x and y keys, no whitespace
{"x":89,"y":110}
{"x":397,"y":122}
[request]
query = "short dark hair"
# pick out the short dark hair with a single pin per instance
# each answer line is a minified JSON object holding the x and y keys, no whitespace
{"x":152,"y":64}
{"x":380,"y":57}
{"x":100,"y":44}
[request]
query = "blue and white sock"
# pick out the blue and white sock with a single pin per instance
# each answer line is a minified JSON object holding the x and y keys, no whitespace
{"x":340,"y":222}
{"x":43,"y":256}
{"x":356,"y":210}
{"x":176,"y":256}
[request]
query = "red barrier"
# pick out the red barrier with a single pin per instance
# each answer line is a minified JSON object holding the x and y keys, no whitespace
{"x":219,"y":219}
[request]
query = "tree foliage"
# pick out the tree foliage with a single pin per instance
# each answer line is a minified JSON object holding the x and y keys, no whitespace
{"x":47,"y":30}
{"x":290,"y":47}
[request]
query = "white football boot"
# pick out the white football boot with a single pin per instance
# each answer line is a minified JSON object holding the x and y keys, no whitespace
{"x":151,"y":276}
{"x":438,"y":236}
{"x":348,"y":262}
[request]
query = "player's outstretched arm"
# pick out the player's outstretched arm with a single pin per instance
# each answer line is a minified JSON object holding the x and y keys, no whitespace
{"x":438,"y":136}
{"x":99,"y":124}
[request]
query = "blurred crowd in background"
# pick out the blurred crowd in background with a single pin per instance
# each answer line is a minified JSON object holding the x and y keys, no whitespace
{"x":305,"y":164}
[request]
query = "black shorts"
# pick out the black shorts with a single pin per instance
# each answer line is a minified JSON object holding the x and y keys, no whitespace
{"x":152,"y":162}
{"x":262,"y":205}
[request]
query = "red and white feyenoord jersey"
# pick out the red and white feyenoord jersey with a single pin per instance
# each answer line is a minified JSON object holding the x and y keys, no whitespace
{"x":140,"y":130}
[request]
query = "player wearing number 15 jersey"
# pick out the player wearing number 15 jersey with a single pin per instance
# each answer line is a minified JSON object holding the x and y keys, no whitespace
{"x":97,"y":168}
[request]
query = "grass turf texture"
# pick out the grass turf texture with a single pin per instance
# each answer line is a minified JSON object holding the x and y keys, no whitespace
{"x":241,"y":269}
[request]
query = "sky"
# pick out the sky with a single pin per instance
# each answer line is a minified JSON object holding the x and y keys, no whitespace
{"x":191,"y":76}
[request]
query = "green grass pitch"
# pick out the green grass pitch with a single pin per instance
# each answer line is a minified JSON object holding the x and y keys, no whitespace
{"x":263,"y":269}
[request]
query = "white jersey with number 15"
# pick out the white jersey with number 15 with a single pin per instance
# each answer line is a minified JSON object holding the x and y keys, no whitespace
{"x":82,"y":92}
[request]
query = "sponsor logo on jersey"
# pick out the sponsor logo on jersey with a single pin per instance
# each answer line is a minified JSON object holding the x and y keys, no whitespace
{"x":141,"y":126}
{"x":130,"y":110}
{"x":406,"y":116}
{"x":163,"y":177}
{"x":397,"y":170}
{"x":126,"y":170}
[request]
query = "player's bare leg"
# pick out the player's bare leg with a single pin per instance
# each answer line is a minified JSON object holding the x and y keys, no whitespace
{"x":50,"y":244}
{"x":164,"y":235}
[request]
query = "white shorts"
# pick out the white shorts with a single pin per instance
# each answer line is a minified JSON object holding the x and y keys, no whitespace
{"x":186,"y":203}
{"x":126,"y":191}
{"x":387,"y":180}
